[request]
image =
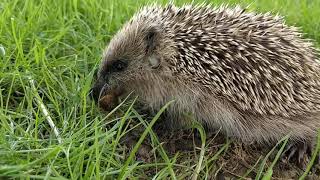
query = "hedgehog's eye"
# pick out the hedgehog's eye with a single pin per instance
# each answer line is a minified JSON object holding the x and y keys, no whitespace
{"x":119,"y":65}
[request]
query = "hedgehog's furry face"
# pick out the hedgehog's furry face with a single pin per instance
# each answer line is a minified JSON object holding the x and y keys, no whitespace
{"x":131,"y":64}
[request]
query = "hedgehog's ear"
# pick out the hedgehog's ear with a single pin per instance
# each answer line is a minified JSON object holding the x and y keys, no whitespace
{"x":152,"y":38}
{"x":152,"y":41}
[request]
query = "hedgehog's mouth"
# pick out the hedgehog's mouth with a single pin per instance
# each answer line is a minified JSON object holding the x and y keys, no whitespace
{"x":110,"y":99}
{"x":106,"y":96}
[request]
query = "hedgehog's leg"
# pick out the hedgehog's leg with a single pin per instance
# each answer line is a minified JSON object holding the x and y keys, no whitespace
{"x":298,"y":152}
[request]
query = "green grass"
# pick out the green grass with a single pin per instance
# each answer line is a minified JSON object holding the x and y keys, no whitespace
{"x":48,"y":53}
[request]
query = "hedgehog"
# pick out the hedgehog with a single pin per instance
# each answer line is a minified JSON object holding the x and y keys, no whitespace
{"x":248,"y":74}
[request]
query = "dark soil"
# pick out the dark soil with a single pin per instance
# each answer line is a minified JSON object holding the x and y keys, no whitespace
{"x":233,"y":163}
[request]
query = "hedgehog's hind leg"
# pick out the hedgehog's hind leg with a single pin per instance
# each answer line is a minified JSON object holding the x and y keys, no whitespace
{"x":299,"y":153}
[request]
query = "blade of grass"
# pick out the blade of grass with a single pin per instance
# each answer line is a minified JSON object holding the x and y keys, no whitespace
{"x":316,"y":153}
{"x":124,"y":171}
{"x":283,"y":140}
{"x":123,"y":119}
{"x":45,"y":111}
{"x":269,"y":172}
{"x":199,"y":127}
{"x":161,"y":150}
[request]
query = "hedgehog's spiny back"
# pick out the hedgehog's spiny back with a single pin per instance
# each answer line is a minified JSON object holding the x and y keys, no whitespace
{"x":254,"y":60}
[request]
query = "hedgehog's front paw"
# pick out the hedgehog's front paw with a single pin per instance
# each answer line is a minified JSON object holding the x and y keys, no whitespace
{"x":298,"y":153}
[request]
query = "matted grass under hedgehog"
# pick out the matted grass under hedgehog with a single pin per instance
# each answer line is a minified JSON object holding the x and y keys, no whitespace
{"x":50,"y":129}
